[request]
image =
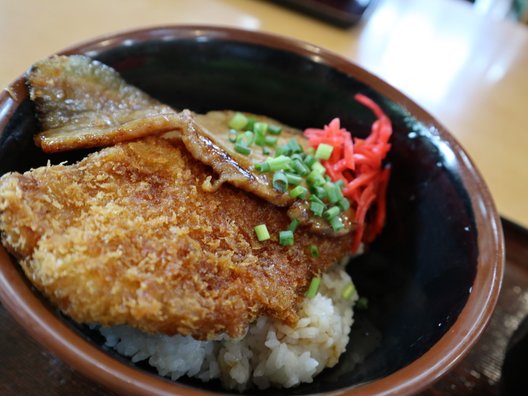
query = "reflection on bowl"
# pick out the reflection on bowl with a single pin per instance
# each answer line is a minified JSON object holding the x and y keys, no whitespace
{"x":432,"y":278}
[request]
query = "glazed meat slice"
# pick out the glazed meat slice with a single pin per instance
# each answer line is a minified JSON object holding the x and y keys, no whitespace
{"x":83,"y":103}
{"x":128,"y":235}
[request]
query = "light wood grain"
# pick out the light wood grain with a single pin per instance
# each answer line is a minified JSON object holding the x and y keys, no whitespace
{"x":467,"y":69}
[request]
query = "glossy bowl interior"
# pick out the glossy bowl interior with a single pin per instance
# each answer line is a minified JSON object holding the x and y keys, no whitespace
{"x":431,"y":279}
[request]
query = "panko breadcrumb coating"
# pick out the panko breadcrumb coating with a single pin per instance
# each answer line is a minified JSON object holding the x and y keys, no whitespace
{"x":128,"y":236}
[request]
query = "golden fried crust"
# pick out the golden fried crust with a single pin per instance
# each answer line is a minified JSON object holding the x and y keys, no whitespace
{"x":127,"y":235}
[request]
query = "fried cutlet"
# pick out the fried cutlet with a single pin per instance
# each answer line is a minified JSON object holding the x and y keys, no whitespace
{"x":128,"y":235}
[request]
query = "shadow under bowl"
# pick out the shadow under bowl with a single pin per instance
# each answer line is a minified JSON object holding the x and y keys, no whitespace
{"x":432,"y":278}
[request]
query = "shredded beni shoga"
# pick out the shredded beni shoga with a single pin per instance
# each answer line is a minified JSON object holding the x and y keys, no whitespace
{"x":359,"y":164}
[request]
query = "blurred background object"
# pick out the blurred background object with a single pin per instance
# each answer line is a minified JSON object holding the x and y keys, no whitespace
{"x":343,"y":13}
{"x":346,"y":13}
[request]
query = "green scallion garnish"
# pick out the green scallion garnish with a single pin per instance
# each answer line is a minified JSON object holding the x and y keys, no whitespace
{"x":260,"y":139}
{"x":242,"y":149}
{"x":250,"y":123}
{"x":333,"y":192}
{"x":315,"y":179}
{"x":293,"y":225}
{"x":274,"y":129}
{"x":309,"y":160}
{"x":340,"y":183}
{"x":278,"y":163}
{"x":324,"y":151}
{"x":319,"y":192}
{"x":313,"y":288}
{"x":261,"y":127}
{"x":298,"y":192}
{"x":315,"y":198}
{"x":280,"y":181}
{"x":317,"y":208}
{"x":232,"y":135}
{"x":293,"y":179}
{"x":238,"y":122}
{"x":248,"y":137}
{"x":286,"y":238}
{"x":266,"y":151}
{"x":262,"y":232}
{"x":362,"y":303}
{"x":262,"y":167}
{"x":282,"y":150}
{"x":299,"y":167}
{"x":294,"y":146}
{"x":344,"y":204}
{"x":318,"y":168}
{"x":348,"y":291}
{"x":329,"y":214}
{"x":314,"y":251}
{"x":270,"y":140}
{"x":336,"y":223}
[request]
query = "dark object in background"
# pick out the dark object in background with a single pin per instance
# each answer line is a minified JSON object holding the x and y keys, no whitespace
{"x":514,"y":378}
{"x":343,"y":13}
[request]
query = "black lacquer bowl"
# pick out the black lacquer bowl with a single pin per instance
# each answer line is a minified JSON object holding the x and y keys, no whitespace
{"x":432,"y":278}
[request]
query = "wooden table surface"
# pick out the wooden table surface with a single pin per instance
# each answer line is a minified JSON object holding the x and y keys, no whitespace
{"x":469,"y":70}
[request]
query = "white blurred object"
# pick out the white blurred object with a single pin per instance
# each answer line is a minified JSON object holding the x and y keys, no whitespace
{"x":494,"y":8}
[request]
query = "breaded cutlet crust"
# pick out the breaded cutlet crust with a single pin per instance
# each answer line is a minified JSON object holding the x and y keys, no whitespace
{"x":128,"y":236}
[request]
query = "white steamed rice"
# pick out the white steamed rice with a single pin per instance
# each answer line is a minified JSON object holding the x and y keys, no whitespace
{"x":270,"y":354}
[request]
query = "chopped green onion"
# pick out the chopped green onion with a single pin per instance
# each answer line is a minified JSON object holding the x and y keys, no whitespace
{"x":260,"y":139}
{"x":336,"y":223}
{"x":266,"y":151}
{"x":261,"y":127}
{"x":238,"y":121}
{"x":324,"y":151}
{"x":262,"y":232}
{"x":282,"y":150}
{"x":319,"y":192}
{"x":344,"y":204}
{"x":232,"y":135}
{"x":340,"y":183}
{"x":318,"y":167}
{"x":331,"y":213}
{"x":262,"y":167}
{"x":310,"y":151}
{"x":270,"y":140}
{"x":294,"y":146}
{"x":278,"y":163}
{"x":280,"y":181}
{"x":315,"y":179}
{"x":286,"y":238}
{"x":313,"y":288}
{"x":274,"y":129}
{"x":251,"y":123}
{"x":314,"y":251}
{"x":247,"y":138}
{"x":348,"y":291}
{"x":317,"y":208}
{"x":332,"y":192}
{"x":298,"y":192}
{"x":293,"y":179}
{"x":300,"y":167}
{"x":293,"y":225}
{"x":309,"y":160}
{"x":315,"y":198}
{"x":297,"y":156}
{"x":362,"y":303}
{"x":242,"y":149}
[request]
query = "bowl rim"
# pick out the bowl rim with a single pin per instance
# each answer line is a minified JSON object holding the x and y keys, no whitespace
{"x":47,"y":328}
